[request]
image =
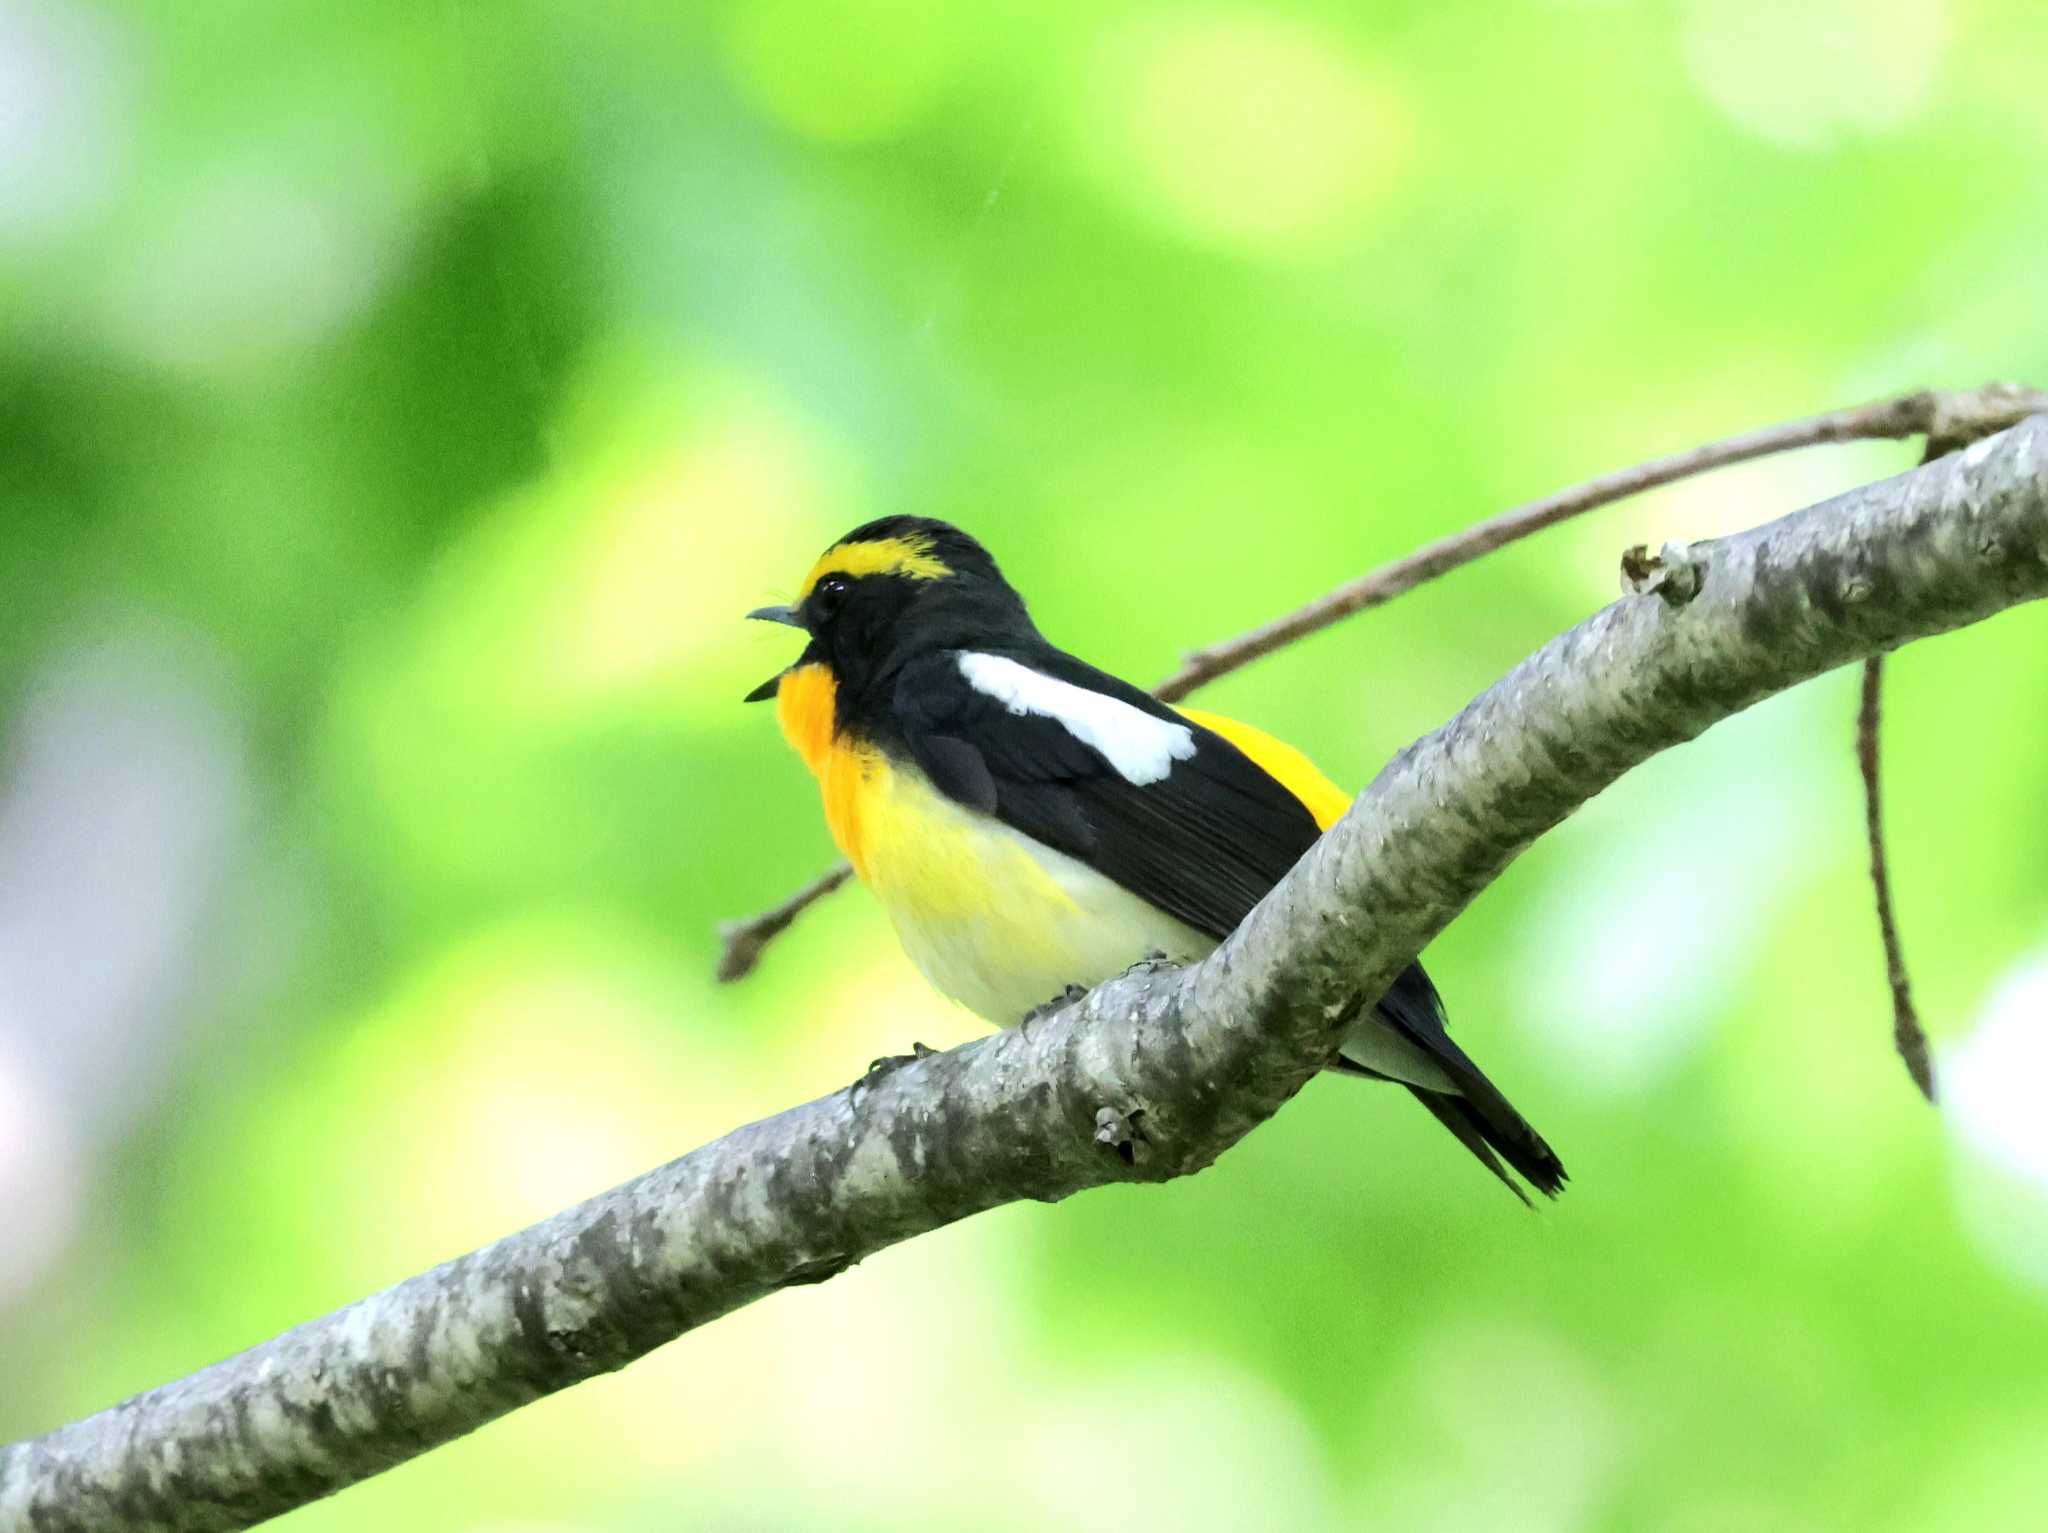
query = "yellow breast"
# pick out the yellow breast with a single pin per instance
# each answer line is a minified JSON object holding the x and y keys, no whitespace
{"x":994,"y":919}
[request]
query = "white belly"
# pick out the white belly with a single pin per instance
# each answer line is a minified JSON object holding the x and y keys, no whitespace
{"x":994,"y":919}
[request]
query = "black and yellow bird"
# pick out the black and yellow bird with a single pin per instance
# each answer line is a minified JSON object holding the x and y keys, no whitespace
{"x":1031,"y":823}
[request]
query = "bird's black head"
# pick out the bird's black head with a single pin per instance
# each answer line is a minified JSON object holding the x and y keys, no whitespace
{"x":890,"y":591}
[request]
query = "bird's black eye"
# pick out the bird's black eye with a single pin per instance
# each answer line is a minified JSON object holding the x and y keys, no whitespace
{"x":828,"y":595}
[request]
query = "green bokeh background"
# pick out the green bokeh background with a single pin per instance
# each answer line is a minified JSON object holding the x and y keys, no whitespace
{"x":399,"y":404}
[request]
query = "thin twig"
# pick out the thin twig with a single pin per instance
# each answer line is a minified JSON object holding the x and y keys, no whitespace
{"x":1907,"y":1033}
{"x":1926,"y":412}
{"x":1946,"y":418}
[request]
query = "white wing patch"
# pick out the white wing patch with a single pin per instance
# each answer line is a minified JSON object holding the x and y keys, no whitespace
{"x":1141,"y":748}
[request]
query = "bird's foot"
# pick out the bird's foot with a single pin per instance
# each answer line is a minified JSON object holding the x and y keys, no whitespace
{"x":880,"y":1069}
{"x":1154,"y":962}
{"x":1046,"y":1008}
{"x":890,"y":1063}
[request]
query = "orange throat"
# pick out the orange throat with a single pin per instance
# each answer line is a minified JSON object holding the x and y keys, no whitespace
{"x":805,"y":706}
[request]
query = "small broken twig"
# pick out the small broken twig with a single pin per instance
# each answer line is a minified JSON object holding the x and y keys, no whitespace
{"x":1672,"y":573}
{"x":1946,"y":418}
{"x":1907,"y":1034}
{"x":744,"y":940}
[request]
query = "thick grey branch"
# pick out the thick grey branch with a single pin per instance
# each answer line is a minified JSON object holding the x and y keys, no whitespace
{"x":1180,"y":1064}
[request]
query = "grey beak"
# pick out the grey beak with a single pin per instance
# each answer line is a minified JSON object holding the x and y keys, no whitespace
{"x":773,"y":684}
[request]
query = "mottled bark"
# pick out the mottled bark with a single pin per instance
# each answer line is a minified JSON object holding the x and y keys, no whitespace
{"x":1149,"y":1077}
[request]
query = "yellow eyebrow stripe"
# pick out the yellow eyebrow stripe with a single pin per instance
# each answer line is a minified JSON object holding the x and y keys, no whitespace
{"x":886,"y":556}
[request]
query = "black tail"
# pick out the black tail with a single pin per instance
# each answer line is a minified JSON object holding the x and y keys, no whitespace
{"x":1521,"y":1146}
{"x":1485,"y":1122}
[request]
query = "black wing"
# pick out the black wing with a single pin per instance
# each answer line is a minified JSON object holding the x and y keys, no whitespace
{"x":1205,"y":843}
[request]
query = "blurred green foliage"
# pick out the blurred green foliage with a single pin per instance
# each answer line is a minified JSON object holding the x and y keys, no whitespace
{"x":399,"y":405}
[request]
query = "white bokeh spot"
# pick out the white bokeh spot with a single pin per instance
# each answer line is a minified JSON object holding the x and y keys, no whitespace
{"x":1807,"y":74}
{"x":64,"y":110}
{"x":1991,"y":1084}
{"x":1682,"y":896}
{"x":1992,"y":1080}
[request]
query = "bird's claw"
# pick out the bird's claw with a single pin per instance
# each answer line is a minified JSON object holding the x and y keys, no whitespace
{"x":1046,"y":1008}
{"x":887,"y":1065}
{"x":892,"y":1062}
{"x":1152,"y":963}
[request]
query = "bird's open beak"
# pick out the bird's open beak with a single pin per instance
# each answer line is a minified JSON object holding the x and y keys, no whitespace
{"x":773,"y":684}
